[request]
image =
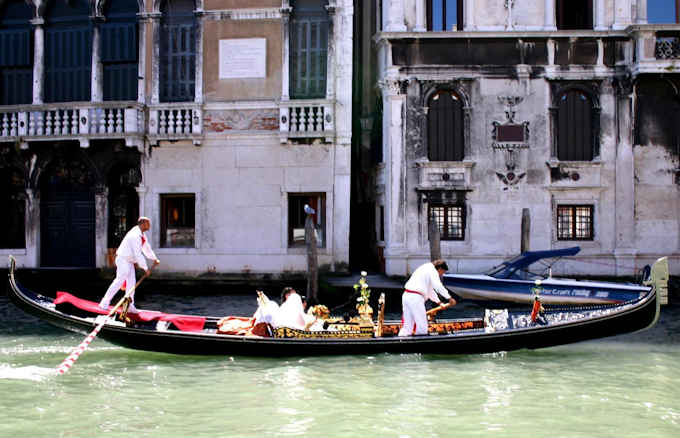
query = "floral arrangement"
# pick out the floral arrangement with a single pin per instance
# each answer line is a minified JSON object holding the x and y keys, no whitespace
{"x":364,"y":291}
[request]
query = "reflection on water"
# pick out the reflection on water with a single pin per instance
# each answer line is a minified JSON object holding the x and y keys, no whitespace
{"x":623,"y":386}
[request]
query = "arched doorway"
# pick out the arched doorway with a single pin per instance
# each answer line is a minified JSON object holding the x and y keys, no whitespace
{"x":67,"y":213}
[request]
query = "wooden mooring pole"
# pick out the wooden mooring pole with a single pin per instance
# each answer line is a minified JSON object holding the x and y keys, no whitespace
{"x":526,"y":230}
{"x":435,"y":240}
{"x":312,"y":263}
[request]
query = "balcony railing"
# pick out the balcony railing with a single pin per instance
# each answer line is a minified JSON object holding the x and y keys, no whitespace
{"x":175,"y":121}
{"x":310,"y":119}
{"x":657,"y":48}
{"x":667,"y":48}
{"x":66,"y":121}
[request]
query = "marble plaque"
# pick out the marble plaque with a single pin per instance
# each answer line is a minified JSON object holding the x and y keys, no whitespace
{"x":243,"y":58}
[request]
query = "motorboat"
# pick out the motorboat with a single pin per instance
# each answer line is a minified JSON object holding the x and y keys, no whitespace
{"x":518,"y":280}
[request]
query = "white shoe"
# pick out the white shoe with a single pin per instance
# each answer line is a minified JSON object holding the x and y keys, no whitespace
{"x":132,"y":309}
{"x":103,"y":307}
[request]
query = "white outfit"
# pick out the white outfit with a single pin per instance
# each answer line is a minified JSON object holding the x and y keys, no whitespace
{"x":291,"y":313}
{"x":132,"y":250}
{"x":266,"y":313}
{"x":424,"y":284}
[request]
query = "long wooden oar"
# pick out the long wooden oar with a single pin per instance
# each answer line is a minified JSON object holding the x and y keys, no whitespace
{"x":433,"y":312}
{"x":75,"y":354}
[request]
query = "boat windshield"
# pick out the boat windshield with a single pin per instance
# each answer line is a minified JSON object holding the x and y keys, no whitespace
{"x":503,"y":266}
{"x":508,"y":270}
{"x":518,"y":266}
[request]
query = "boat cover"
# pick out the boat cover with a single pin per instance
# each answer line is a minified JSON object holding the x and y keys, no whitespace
{"x":186,"y":323}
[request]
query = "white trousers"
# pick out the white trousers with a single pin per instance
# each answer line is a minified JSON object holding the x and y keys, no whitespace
{"x":415,"y":319}
{"x":125,"y":273}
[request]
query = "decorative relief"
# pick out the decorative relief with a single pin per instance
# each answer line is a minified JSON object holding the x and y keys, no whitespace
{"x":242,"y":120}
{"x":509,"y":137}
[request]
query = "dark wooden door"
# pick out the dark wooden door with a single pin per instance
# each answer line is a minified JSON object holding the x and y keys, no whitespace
{"x":68,"y":238}
{"x":67,"y":217}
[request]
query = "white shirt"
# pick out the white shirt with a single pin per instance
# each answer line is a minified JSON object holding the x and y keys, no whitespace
{"x":291,"y":313}
{"x":134,"y":247}
{"x":425,"y":280}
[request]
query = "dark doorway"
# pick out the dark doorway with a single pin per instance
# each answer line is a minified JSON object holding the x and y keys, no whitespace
{"x":67,"y":214}
{"x":123,"y":202}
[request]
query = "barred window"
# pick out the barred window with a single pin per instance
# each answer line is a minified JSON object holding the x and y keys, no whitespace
{"x":450,"y":219}
{"x":575,"y":222}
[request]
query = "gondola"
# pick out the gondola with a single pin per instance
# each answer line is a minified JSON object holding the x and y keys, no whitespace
{"x":493,"y":331}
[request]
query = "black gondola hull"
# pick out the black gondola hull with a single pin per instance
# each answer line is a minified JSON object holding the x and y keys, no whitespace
{"x":627,"y":318}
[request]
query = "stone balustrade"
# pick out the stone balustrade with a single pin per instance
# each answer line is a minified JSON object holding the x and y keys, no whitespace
{"x":68,"y":121}
{"x":313,"y":118}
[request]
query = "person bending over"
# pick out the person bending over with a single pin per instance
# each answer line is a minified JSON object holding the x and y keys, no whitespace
{"x":425,"y":283}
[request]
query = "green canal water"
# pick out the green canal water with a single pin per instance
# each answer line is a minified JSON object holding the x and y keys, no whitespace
{"x":626,"y":386}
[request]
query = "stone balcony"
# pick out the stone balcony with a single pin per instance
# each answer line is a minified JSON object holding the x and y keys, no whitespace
{"x":657,"y":49}
{"x":82,"y":121}
{"x":86,"y":121}
{"x":307,"y":119}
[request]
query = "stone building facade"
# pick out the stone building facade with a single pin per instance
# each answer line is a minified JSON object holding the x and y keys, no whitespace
{"x":485,"y":109}
{"x":218,"y":119}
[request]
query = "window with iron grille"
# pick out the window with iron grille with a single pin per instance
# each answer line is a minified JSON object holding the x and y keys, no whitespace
{"x":445,"y":127}
{"x":177,"y":51}
{"x":16,"y":53}
{"x":450,"y":219}
{"x":575,"y":126}
{"x":575,"y":222}
{"x":119,"y":50}
{"x":308,"y":49}
{"x":178,"y":220}
{"x":297,"y":217}
{"x":444,"y":15}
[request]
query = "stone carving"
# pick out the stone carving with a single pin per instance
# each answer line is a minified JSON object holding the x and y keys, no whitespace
{"x":242,"y":120}
{"x":509,"y":137}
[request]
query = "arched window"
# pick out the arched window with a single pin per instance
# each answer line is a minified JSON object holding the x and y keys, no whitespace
{"x":308,"y":49}
{"x":68,"y":51}
{"x":575,"y":126}
{"x":16,"y":53}
{"x":445,"y":128}
{"x":177,"y":51}
{"x":120,"y":48}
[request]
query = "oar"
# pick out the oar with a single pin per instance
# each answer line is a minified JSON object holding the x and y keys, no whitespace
{"x":75,"y":354}
{"x":433,"y":312}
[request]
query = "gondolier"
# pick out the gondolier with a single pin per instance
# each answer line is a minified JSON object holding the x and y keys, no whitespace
{"x":131,"y":252}
{"x":425,"y":283}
